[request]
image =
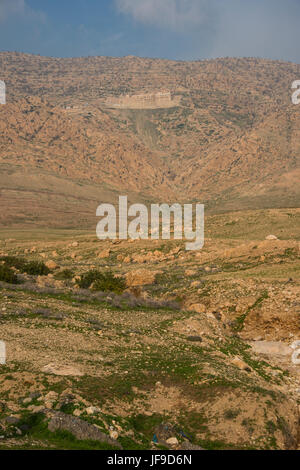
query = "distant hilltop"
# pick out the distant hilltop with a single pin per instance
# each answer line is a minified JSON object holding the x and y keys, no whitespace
{"x":160,"y":99}
{"x":222,"y":132}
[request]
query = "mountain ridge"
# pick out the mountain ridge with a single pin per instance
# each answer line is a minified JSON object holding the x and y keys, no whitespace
{"x":231,"y":142}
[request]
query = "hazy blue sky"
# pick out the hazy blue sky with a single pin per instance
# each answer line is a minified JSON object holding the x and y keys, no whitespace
{"x":176,"y":29}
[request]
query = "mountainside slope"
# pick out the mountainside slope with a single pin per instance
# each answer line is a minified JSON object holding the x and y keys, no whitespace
{"x":231,"y":140}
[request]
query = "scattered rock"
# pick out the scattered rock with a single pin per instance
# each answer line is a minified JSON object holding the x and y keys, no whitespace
{"x":164,"y":432}
{"x":26,"y":401}
{"x":190,"y":273}
{"x":219,"y":316}
{"x":186,"y":445}
{"x":34,"y":395}
{"x":79,"y":428}
{"x":172,"y":441}
{"x":240,"y":364}
{"x":114,"y":435}
{"x":196,"y":284}
{"x":51,"y":397}
{"x":36,"y":408}
{"x":92,"y":410}
{"x":51,"y":265}
{"x":12,"y":420}
{"x":198,"y":308}
{"x":62,"y":370}
{"x":271,"y":237}
{"x":104,"y":254}
{"x":141,"y":277}
{"x":195,"y":339}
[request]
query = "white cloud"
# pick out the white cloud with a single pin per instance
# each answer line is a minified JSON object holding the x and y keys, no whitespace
{"x":18,"y":8}
{"x":177,"y":15}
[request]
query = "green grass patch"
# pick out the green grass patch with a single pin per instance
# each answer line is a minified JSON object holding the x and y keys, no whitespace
{"x":240,"y":321}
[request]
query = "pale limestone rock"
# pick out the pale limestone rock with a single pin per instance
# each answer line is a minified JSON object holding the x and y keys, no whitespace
{"x":199,"y":308}
{"x":240,"y":364}
{"x":62,"y":370}
{"x":271,"y":237}
{"x":172,"y":441}
{"x":51,"y":264}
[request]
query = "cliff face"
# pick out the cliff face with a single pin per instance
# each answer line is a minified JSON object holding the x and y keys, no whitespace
{"x":84,"y":130}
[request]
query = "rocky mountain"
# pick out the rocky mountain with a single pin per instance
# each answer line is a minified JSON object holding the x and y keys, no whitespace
{"x":228,"y":137}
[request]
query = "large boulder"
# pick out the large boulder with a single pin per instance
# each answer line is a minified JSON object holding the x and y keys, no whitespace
{"x":79,"y":428}
{"x":198,"y":308}
{"x":62,"y":370}
{"x":141,"y":277}
{"x":51,"y":265}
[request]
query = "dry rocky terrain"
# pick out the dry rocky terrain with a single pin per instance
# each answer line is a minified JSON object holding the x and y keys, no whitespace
{"x":174,"y":349}
{"x":231,"y":140}
{"x":142,"y":344}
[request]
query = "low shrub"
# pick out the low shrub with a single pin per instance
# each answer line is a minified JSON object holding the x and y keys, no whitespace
{"x":109,"y":283}
{"x":104,"y":282}
{"x":7,"y":275}
{"x":64,"y":275}
{"x":87,"y":279}
{"x":34,"y":268}
{"x":14,"y":262}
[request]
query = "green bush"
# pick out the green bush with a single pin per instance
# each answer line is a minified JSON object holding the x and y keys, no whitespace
{"x":7,"y":275}
{"x":109,"y":283}
{"x":35,"y":268}
{"x":105,"y":282}
{"x":87,"y":279}
{"x":64,"y":275}
{"x":12,"y":261}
